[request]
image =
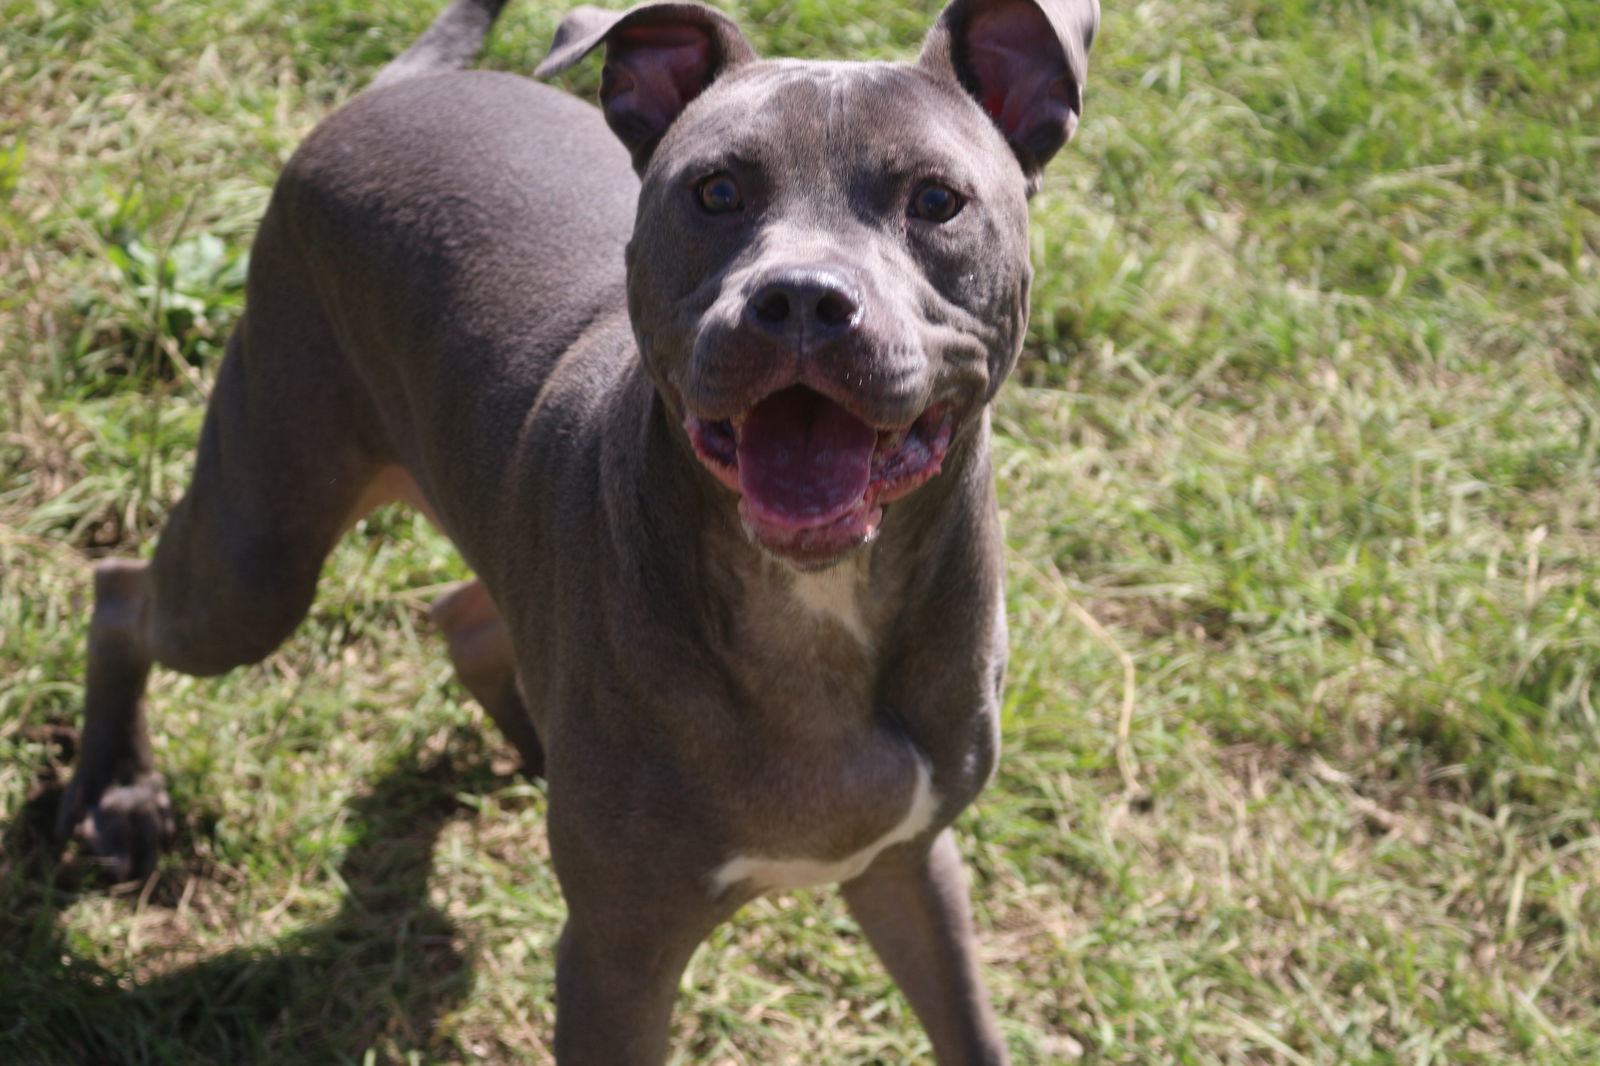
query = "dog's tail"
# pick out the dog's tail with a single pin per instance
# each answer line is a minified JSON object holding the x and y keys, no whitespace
{"x":453,"y":41}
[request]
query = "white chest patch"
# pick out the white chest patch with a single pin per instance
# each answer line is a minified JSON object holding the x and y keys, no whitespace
{"x":778,"y":875}
{"x":835,"y":594}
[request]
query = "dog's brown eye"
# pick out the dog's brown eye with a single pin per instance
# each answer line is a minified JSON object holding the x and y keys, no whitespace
{"x":719,"y":194}
{"x":935,"y":202}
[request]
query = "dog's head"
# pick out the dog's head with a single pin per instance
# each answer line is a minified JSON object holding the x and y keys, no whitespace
{"x":829,"y":273}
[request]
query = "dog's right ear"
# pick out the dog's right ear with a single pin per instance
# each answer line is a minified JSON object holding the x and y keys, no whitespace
{"x":658,"y":58}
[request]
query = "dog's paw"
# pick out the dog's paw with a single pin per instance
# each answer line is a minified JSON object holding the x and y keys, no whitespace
{"x":126,"y":828}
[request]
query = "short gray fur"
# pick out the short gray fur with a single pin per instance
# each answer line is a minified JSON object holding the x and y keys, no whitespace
{"x":468,"y":294}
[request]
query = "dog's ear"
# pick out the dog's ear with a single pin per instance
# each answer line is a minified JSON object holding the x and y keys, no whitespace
{"x":1025,"y":62}
{"x":658,"y":58}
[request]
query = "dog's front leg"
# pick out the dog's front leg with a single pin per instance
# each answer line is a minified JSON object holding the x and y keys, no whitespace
{"x":616,"y":978}
{"x":913,"y":907}
{"x":636,"y":908}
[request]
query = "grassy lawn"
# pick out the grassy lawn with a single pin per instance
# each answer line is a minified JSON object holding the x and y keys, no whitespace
{"x":1302,"y":757}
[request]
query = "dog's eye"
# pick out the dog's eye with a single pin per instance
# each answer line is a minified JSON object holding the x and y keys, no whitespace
{"x":719,"y":194}
{"x":935,"y":202}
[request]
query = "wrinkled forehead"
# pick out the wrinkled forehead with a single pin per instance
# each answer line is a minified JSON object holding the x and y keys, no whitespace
{"x":818,"y":116}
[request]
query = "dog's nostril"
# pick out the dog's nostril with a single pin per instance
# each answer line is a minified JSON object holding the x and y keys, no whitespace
{"x":771,"y":305}
{"x":836,"y":309}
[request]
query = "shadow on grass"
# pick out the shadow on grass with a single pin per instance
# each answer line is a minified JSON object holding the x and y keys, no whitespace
{"x":376,"y":977}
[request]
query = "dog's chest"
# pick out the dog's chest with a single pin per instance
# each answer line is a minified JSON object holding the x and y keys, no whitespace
{"x":825,"y":782}
{"x":777,"y":866}
{"x":804,"y":646}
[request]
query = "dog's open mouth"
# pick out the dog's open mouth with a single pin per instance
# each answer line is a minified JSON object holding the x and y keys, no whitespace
{"x":811,"y":476}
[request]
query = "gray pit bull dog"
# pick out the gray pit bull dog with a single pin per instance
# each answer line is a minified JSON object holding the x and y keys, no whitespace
{"x":703,"y":403}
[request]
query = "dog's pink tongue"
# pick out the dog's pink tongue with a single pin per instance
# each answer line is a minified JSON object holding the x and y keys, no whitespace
{"x":803,"y":460}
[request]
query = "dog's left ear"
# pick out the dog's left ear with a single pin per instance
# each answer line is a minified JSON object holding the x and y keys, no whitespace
{"x":659,"y":57}
{"x":1025,"y":62}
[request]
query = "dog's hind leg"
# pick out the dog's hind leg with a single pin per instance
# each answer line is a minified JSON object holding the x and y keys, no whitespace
{"x":480,"y":648}
{"x":116,"y":791}
{"x":287,"y":454}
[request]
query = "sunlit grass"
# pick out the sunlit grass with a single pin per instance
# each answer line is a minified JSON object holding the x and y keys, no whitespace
{"x":1302,"y":462}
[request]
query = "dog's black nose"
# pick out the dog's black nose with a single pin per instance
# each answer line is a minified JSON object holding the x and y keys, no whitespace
{"x":806,"y":306}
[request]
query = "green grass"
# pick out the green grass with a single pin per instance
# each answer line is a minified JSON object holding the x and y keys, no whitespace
{"x":1300,"y":476}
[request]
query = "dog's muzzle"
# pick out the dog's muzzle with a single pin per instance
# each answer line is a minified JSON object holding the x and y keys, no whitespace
{"x":811,"y":476}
